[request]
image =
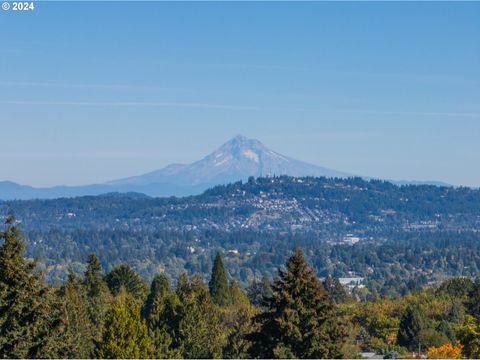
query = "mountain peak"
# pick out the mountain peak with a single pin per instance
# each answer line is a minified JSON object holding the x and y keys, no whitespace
{"x":243,"y":141}
{"x":239,"y":138}
{"x":239,"y":149}
{"x":237,"y":159}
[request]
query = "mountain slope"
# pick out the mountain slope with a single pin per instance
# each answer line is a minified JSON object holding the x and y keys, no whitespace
{"x":235,"y":160}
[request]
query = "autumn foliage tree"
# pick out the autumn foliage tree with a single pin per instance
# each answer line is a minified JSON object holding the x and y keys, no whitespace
{"x":446,"y":351}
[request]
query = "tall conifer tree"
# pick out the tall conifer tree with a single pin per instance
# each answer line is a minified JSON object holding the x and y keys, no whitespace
{"x":98,"y":296}
{"x":160,"y":286}
{"x":93,"y":279}
{"x":412,"y":323}
{"x":237,"y":322}
{"x":299,"y":321}
{"x":31,"y":317}
{"x":123,"y":276}
{"x":200,"y":333}
{"x":218,"y":285}
{"x":125,"y":335}
{"x":80,"y":331}
{"x":161,"y":312}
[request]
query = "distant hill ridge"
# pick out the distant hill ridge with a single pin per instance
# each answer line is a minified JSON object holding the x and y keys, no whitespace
{"x":390,"y":228}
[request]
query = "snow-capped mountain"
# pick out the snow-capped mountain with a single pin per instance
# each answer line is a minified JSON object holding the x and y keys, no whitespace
{"x":235,"y":160}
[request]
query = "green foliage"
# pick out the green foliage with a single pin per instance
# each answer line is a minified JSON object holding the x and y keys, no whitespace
{"x":237,"y":320}
{"x":126,"y":334}
{"x":161,"y":311}
{"x":199,"y":330}
{"x":473,"y":302}
{"x":299,"y":322}
{"x":124,"y":277}
{"x":379,"y":318}
{"x":239,"y":298}
{"x":98,"y":296}
{"x":160,"y":286}
{"x":218,"y":284}
{"x":430,"y":337}
{"x":31,"y":318}
{"x":258,"y":291}
{"x":458,"y":287}
{"x":93,"y":279}
{"x":412,"y":323}
{"x":80,"y":332}
{"x":336,"y":292}
{"x":469,"y":335}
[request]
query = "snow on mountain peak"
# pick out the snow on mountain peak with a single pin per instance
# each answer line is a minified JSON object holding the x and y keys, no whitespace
{"x":237,"y":159}
{"x":250,"y":155}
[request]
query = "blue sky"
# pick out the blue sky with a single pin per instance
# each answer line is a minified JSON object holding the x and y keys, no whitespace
{"x":91,"y":92}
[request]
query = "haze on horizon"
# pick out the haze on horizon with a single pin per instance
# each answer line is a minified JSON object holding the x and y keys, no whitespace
{"x":91,"y":92}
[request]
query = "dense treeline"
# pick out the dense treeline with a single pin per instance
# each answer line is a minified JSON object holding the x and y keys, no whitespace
{"x":116,"y":315}
{"x":390,"y":267}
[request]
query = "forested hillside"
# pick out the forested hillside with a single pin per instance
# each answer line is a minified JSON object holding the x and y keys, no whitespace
{"x":396,"y":237}
{"x":294,"y":315}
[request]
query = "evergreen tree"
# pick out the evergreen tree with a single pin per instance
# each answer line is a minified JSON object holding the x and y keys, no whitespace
{"x":258,"y":291}
{"x":93,"y":279}
{"x":237,"y":322}
{"x":473,"y":302}
{"x":218,"y":285}
{"x":199,"y":330}
{"x":98,"y":296}
{"x":126,"y":334}
{"x":458,"y":287}
{"x":299,"y":321}
{"x":469,"y":335}
{"x":161,"y":311}
{"x":31,"y":320}
{"x":239,"y":298}
{"x":160,"y":286}
{"x":183,"y":286}
{"x":336,"y":291}
{"x":412,"y":323}
{"x":80,"y":331}
{"x":124,"y":277}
